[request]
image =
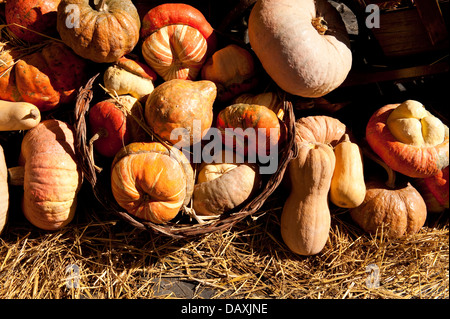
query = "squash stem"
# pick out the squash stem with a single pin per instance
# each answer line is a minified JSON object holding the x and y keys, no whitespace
{"x":320,"y":24}
{"x":101,"y":133}
{"x":390,"y":172}
{"x":101,"y":6}
{"x":16,"y":175}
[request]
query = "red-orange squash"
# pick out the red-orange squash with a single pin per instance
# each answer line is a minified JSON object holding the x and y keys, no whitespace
{"x":302,"y":44}
{"x":151,"y":181}
{"x":435,"y":190}
{"x":46,"y":78}
{"x":177,"y":39}
{"x":52,"y":177}
{"x":419,"y":161}
{"x":27,"y":18}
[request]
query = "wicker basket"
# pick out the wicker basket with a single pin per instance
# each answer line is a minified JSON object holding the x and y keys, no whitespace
{"x":184,"y":225}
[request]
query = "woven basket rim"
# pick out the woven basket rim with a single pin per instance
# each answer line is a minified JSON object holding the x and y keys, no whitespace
{"x":174,"y":229}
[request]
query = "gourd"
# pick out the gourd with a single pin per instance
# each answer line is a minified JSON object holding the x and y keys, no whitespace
{"x":177,"y":39}
{"x":102,"y":32}
{"x":302,"y":44}
{"x":224,"y":184}
{"x":409,"y":139}
{"x":268,"y":99}
{"x":4,"y":191}
{"x":151,"y":181}
{"x":127,"y":76}
{"x":232,"y":69}
{"x":46,"y":78}
{"x":29,"y":20}
{"x":249,"y":128}
{"x":181,"y":111}
{"x":16,"y":116}
{"x":51,"y":175}
{"x":348,"y":187}
{"x":306,"y":219}
{"x":390,"y":209}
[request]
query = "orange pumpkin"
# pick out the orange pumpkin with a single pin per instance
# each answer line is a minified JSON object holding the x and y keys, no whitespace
{"x":411,"y":160}
{"x":151,"y":181}
{"x":44,"y":78}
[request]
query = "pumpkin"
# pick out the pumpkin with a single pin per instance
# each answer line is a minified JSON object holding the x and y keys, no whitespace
{"x":114,"y":123}
{"x":397,"y":133}
{"x":177,"y":39}
{"x":151,"y":181}
{"x":320,"y":129}
{"x":15,"y":116}
{"x":4,"y":191}
{"x":180,"y":111}
{"x":224,"y":184}
{"x":305,"y":219}
{"x":51,"y":175}
{"x":27,"y":18}
{"x":46,"y":78}
{"x":434,"y":190}
{"x":348,"y":187}
{"x":302,"y":44}
{"x":131,"y":77}
{"x":232,"y":69}
{"x":268,"y":99}
{"x":249,"y":128}
{"x":103,"y":32}
{"x":390,"y":209}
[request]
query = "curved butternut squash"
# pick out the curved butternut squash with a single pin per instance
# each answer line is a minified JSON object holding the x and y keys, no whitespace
{"x":16,"y":116}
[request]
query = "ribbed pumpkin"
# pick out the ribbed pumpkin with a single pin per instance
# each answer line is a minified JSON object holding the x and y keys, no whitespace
{"x":28,"y":18}
{"x":412,"y":157}
{"x":45,"y":78}
{"x":4,"y":191}
{"x":177,"y":39}
{"x":103,"y":32}
{"x":302,"y":44}
{"x":52,"y":177}
{"x":151,"y":182}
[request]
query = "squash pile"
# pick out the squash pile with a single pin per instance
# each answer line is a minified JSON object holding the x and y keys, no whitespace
{"x":185,"y":128}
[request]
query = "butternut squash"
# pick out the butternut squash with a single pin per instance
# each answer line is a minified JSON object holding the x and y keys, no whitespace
{"x":16,"y":116}
{"x":306,"y":219}
{"x":348,"y":187}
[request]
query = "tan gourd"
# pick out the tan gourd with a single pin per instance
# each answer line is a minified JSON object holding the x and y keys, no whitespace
{"x":16,"y":116}
{"x":305,"y":219}
{"x":4,"y":191}
{"x":348,"y":187}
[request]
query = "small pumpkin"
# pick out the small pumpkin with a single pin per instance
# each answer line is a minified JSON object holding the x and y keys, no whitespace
{"x":151,"y":181}
{"x":409,"y":139}
{"x":306,"y":219}
{"x":224,"y":184}
{"x":249,"y":128}
{"x":102,"y":31}
{"x":177,"y":39}
{"x":390,"y":208}
{"x":131,"y":77}
{"x":4,"y":191}
{"x":302,"y":44}
{"x":28,"y":19}
{"x":51,"y":175}
{"x":181,"y":111}
{"x":114,"y":123}
{"x":348,"y":187}
{"x":46,"y":78}
{"x":232,"y":69}
{"x":15,"y":116}
{"x":268,"y":99}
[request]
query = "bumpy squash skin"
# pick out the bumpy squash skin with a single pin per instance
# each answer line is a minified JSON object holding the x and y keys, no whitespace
{"x":348,"y":187}
{"x":306,"y":219}
{"x":52,"y":177}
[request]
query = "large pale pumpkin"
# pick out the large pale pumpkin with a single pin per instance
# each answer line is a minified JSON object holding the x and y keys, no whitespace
{"x":52,"y":177}
{"x":151,"y":182}
{"x":302,"y":44}
{"x":102,"y":31}
{"x":409,"y":139}
{"x":46,"y":78}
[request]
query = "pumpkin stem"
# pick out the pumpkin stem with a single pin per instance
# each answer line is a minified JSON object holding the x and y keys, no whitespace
{"x":101,"y":5}
{"x":390,"y":183}
{"x":101,"y":133}
{"x":16,"y":175}
{"x":320,"y":24}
